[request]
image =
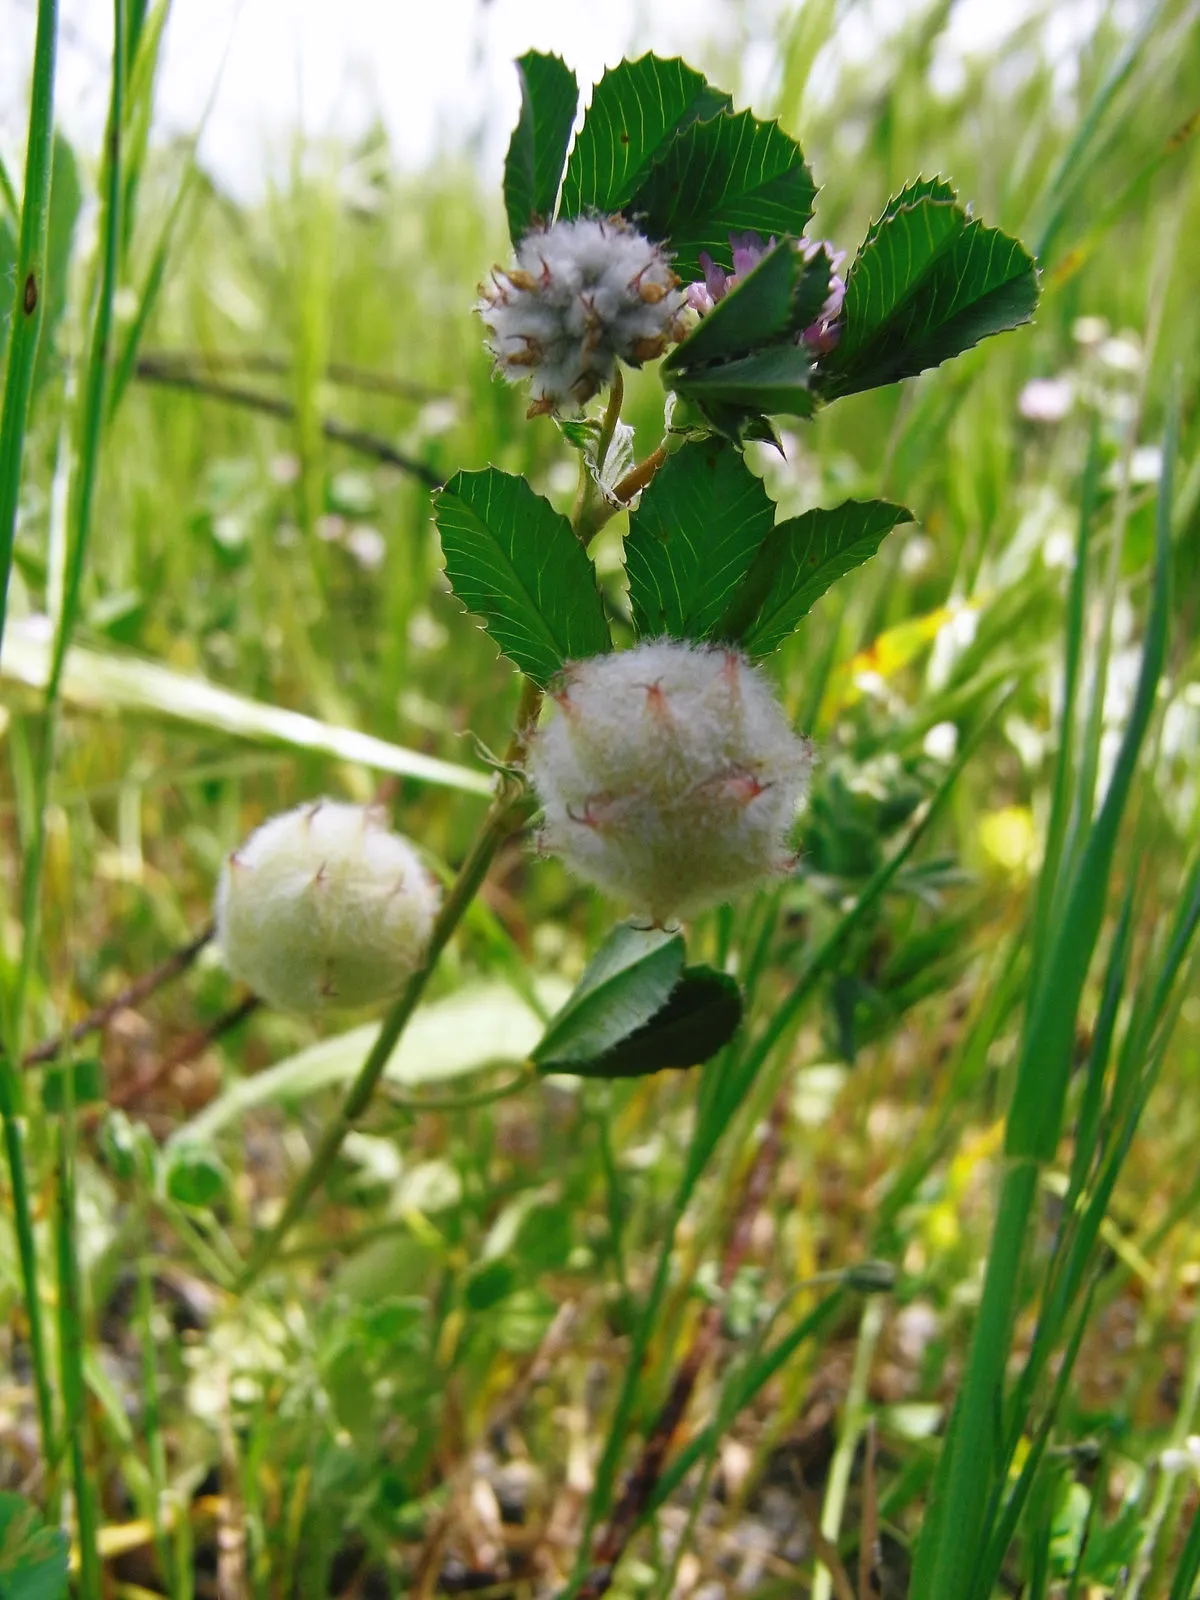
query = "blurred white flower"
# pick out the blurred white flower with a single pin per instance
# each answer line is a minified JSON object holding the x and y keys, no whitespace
{"x":1089,"y":331}
{"x":367,"y":545}
{"x":1145,"y":465}
{"x":1046,"y":399}
{"x":1058,"y":552}
{"x":1122,"y":353}
{"x":916,"y":554}
{"x":941,"y":742}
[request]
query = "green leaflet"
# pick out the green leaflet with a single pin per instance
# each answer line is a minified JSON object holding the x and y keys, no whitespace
{"x":692,"y":539}
{"x":730,"y":174}
{"x":636,"y":108}
{"x":797,"y":563}
{"x":538,"y":147}
{"x":514,"y":561}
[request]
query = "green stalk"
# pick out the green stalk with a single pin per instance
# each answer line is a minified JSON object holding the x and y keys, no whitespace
{"x":70,"y":1346}
{"x":156,"y":1452}
{"x":497,"y":825}
{"x":854,"y":1421}
{"x":26,"y":325}
{"x":29,"y":292}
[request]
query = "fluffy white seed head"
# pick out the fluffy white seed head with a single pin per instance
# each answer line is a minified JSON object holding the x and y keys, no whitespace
{"x":668,"y":776}
{"x":583,"y":295}
{"x":323,"y":908}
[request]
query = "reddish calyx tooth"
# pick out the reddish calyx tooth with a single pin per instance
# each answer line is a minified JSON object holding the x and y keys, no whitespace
{"x":562,"y":699}
{"x":742,"y":787}
{"x":599,"y":812}
{"x":656,"y":703}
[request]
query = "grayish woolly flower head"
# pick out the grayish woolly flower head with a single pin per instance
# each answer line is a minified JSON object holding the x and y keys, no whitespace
{"x":323,"y":908}
{"x":582,"y":296}
{"x":669,"y":776}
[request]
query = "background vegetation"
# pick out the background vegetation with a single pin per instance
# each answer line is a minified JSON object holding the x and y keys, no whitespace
{"x":416,"y":1398}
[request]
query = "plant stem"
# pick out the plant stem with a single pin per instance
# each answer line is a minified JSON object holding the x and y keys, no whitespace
{"x":70,"y":1349}
{"x":29,"y":293}
{"x":854,"y":1420}
{"x":496,"y":827}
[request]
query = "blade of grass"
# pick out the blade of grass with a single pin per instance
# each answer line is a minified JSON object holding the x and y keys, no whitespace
{"x":29,"y":290}
{"x":29,"y":297}
{"x":102,"y":682}
{"x":956,"y":1527}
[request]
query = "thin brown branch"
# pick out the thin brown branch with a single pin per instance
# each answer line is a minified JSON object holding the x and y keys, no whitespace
{"x":261,"y":362}
{"x":188,"y":1048}
{"x":870,"y":1556}
{"x":642,"y":1481}
{"x":132,"y":995}
{"x":270,"y":405}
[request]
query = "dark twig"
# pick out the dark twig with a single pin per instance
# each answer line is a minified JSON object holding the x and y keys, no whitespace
{"x":640,"y":1486}
{"x":263,"y":363}
{"x":870,"y":1556}
{"x":189,"y":1047}
{"x":269,"y":405}
{"x":140,"y":989}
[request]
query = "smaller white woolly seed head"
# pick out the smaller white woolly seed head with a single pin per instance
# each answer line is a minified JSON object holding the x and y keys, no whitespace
{"x":583,"y":295}
{"x":668,"y":776}
{"x":323,"y":908}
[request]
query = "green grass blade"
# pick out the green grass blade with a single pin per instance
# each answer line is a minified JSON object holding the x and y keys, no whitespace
{"x":29,"y":289}
{"x":1035,"y":1119}
{"x":98,"y":681}
{"x":28,"y":304}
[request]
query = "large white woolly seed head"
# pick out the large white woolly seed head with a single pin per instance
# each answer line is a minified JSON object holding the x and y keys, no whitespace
{"x":583,"y":295}
{"x":668,"y":776}
{"x":322,"y":908}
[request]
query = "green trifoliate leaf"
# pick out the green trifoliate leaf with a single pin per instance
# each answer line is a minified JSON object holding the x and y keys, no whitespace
{"x":33,"y":1558}
{"x":729,"y":174}
{"x":928,"y":283}
{"x":538,"y":149}
{"x":745,"y":359}
{"x":797,"y":563}
{"x":627,"y":982}
{"x":703,"y":1013}
{"x":513,"y":560}
{"x":636,"y":108}
{"x":692,"y":539}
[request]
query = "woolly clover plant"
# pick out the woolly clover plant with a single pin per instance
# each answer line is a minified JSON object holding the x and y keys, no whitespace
{"x":669,"y":228}
{"x":674,"y":228}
